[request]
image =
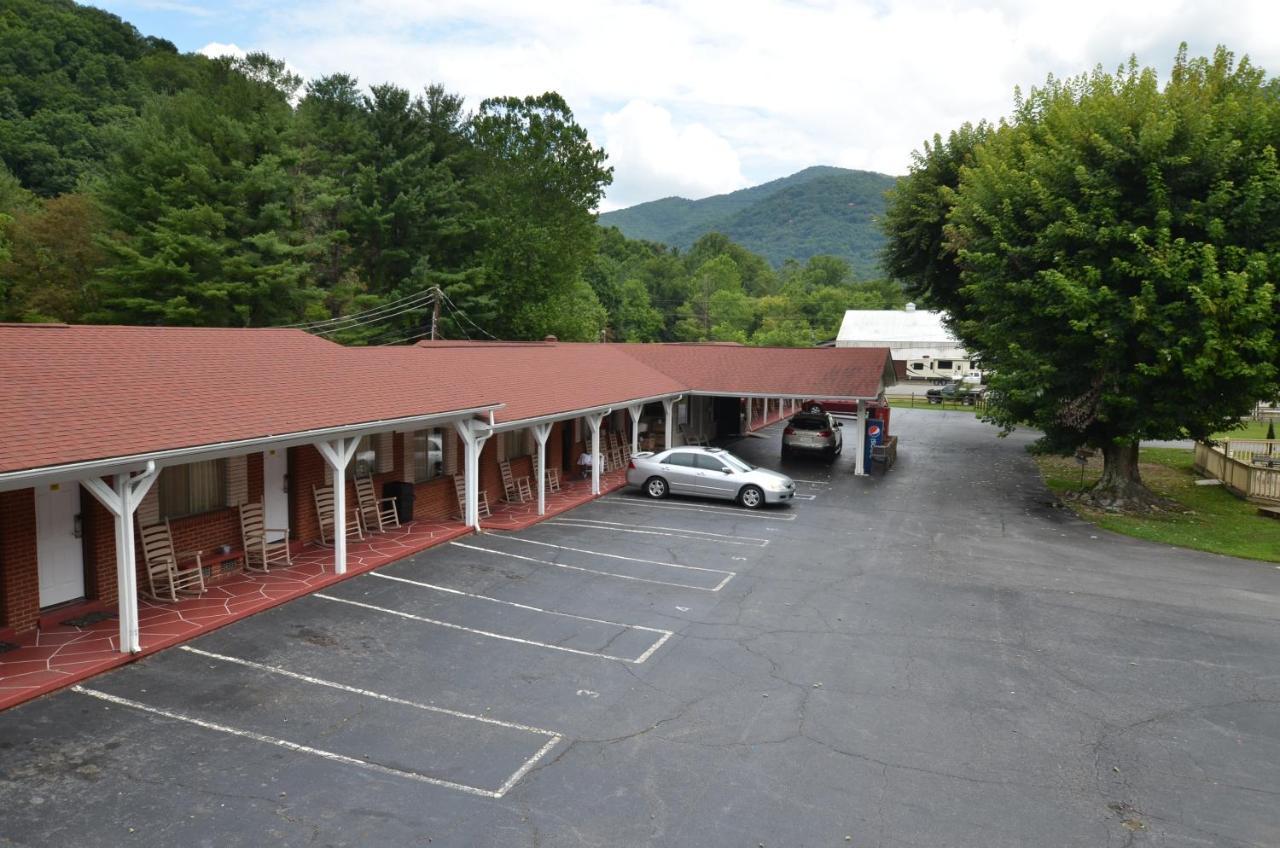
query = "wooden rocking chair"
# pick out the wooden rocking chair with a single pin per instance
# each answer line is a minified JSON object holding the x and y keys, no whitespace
{"x":165,"y":577}
{"x":482,"y":499}
{"x":691,"y":438}
{"x":324,"y":512}
{"x":516,"y":489}
{"x":260,"y":552}
{"x":552,"y":476}
{"x":378,"y":512}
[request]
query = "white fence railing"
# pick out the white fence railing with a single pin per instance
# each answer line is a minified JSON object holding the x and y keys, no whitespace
{"x":1234,"y":464}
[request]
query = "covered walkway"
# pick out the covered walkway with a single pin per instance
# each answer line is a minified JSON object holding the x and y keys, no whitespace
{"x":50,"y":658}
{"x":517,"y":516}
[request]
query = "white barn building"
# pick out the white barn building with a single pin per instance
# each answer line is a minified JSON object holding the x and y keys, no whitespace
{"x":921,"y":346}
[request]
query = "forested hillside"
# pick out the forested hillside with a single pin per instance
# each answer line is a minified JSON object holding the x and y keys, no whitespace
{"x":819,"y":210}
{"x":140,"y":185}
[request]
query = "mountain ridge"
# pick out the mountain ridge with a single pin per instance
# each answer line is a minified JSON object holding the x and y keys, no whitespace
{"x":821,"y":209}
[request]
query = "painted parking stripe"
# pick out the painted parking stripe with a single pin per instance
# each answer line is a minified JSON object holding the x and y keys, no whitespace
{"x":655,"y":530}
{"x":714,"y":510}
{"x":583,"y":568}
{"x":805,"y":497}
{"x":307,"y":749}
{"x":728,"y":575}
{"x":552,"y":736}
{"x":812,"y":482}
{"x":662,"y":639}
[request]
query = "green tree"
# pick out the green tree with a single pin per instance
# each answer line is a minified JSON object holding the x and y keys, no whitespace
{"x":636,"y":320}
{"x":1115,"y":246}
{"x":201,"y":195}
{"x":53,"y":254}
{"x":539,"y":182}
{"x":718,"y":274}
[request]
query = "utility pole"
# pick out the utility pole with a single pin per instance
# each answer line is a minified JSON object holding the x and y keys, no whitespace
{"x":435,"y":312}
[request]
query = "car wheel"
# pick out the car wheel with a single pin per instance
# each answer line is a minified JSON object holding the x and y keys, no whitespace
{"x":786,"y":452}
{"x":656,"y":487}
{"x":752,"y":497}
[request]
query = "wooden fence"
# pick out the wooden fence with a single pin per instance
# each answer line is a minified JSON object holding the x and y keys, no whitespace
{"x":1232,"y":463}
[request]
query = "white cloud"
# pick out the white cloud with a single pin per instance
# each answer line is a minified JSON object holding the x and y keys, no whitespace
{"x":687,"y":97}
{"x":216,"y":49}
{"x":653,"y":157}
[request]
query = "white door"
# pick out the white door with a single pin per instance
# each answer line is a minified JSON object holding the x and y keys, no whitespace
{"x":59,"y":555}
{"x":275,"y":497}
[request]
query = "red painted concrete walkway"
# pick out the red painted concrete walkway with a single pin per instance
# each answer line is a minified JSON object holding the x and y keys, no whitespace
{"x":517,"y":516}
{"x":54,"y":657}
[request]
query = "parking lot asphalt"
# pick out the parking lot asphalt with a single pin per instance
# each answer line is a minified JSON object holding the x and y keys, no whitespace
{"x":933,"y":656}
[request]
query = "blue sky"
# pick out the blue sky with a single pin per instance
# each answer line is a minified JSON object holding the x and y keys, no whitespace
{"x":699,"y":97}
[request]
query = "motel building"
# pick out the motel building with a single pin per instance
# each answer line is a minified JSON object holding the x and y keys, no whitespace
{"x":159,"y":482}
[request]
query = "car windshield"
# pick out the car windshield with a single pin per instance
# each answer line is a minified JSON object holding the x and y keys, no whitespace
{"x":733,"y":462}
{"x":809,"y":423}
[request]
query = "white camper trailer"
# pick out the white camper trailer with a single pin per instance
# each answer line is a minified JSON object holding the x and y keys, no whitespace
{"x":959,"y":369}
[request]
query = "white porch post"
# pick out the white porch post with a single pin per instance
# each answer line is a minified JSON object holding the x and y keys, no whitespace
{"x":121,"y":501}
{"x":473,"y":440}
{"x":540,"y":433}
{"x":860,"y":461}
{"x":668,"y":408}
{"x":635,"y":409}
{"x":593,"y":421}
{"x":338,"y":454}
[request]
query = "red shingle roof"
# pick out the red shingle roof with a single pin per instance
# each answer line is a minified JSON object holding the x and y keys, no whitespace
{"x":541,"y":378}
{"x":75,"y":394}
{"x":81,"y":393}
{"x":731,"y":369}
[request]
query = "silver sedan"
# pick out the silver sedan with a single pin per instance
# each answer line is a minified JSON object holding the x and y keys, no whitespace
{"x":709,"y":473}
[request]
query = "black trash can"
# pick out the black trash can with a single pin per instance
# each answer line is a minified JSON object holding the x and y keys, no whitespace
{"x":403,"y":492}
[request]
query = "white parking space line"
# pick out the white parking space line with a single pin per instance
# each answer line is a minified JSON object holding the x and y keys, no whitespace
{"x":812,"y":482}
{"x":665,"y":634}
{"x":805,"y":497}
{"x":655,"y":530}
{"x":729,"y":575}
{"x":714,"y":510}
{"x":319,"y":752}
{"x":552,"y":736}
{"x":583,"y":568}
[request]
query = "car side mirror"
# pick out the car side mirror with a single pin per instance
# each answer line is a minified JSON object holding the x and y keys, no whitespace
{"x":726,"y":470}
{"x":839,"y":423}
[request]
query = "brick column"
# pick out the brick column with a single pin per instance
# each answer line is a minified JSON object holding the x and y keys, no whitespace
{"x":19,"y":572}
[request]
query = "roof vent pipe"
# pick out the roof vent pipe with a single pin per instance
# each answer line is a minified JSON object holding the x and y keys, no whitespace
{"x":911,"y":307}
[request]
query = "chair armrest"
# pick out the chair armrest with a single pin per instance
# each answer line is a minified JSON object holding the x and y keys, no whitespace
{"x":189,"y":555}
{"x":275,"y":529}
{"x":384,"y":500}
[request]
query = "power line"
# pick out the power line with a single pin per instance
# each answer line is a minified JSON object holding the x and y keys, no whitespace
{"x":468,"y":319}
{"x":425,"y":294}
{"x":377,"y":320}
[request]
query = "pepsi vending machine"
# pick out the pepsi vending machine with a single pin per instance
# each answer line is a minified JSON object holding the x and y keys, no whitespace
{"x":875,"y":435}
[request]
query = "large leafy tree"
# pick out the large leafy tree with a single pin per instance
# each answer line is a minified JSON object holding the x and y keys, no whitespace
{"x":201,"y":195}
{"x":539,"y":181}
{"x":1112,"y":254}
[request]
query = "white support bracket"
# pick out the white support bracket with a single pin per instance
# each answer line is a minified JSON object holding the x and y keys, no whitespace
{"x":338,"y":454}
{"x":635,"y":409}
{"x":540,"y":434}
{"x":122,"y":500}
{"x":473,"y":434}
{"x":668,"y":413}
{"x":593,"y":421}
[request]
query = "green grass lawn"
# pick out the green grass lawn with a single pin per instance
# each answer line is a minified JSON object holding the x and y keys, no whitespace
{"x":1250,"y":430}
{"x":921,"y":403}
{"x":1214,"y":519}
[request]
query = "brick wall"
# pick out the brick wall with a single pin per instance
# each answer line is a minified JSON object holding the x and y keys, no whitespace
{"x":19,"y":573}
{"x":100,"y":550}
{"x":435,"y":500}
{"x":306,"y":469}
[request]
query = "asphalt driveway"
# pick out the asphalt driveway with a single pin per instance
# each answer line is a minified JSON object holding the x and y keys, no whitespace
{"x":934,"y":657}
